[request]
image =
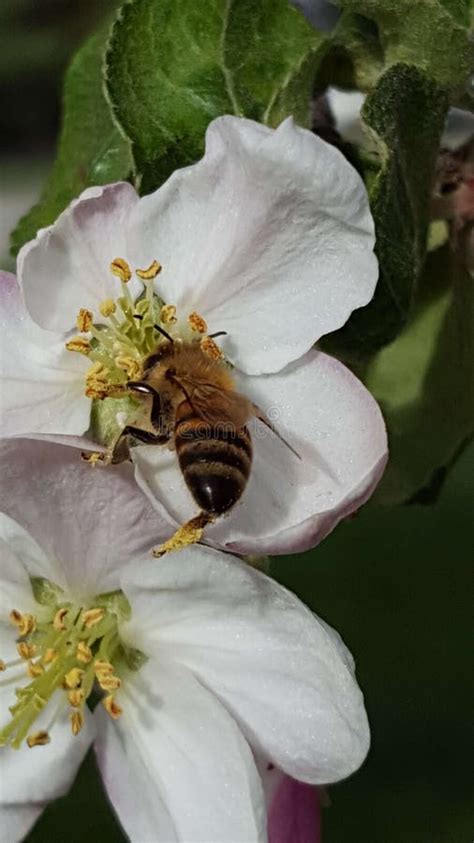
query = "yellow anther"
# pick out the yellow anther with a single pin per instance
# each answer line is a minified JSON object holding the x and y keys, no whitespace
{"x":130,"y":366}
{"x":59,"y":622}
{"x":74,"y":678}
{"x":104,"y":667}
{"x":50,"y":655}
{"x":34,"y":669}
{"x":76,"y":697}
{"x":147,"y":274}
{"x":168,"y":314}
{"x":3,"y":665}
{"x":107,"y":307}
{"x":25,"y":623}
{"x":210,"y":348}
{"x":92,"y":616}
{"x":77,"y":722}
{"x":38,"y":739}
{"x":80,"y":344}
{"x":197,"y":323}
{"x":111,"y":707}
{"x":26,"y":651}
{"x":83,"y":653}
{"x":121,"y":269}
{"x":97,"y":381}
{"x":84,"y":320}
{"x":109,"y":682}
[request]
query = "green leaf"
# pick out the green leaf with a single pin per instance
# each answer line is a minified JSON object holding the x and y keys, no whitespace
{"x":405,"y":115}
{"x":173,"y":66}
{"x":91,"y":149}
{"x":431,"y":34}
{"x":424,"y":381}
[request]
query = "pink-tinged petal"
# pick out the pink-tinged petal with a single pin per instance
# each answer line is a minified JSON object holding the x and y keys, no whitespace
{"x":281,"y":673}
{"x":17,"y":819}
{"x":89,"y":522}
{"x":294,"y":813}
{"x":189,"y":769}
{"x":67,"y":265}
{"x":42,"y":387}
{"x":269,"y":237}
{"x":20,"y":558}
{"x":289,"y":504}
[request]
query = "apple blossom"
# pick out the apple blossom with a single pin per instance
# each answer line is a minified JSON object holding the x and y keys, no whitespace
{"x":268,"y":238}
{"x":200,"y":662}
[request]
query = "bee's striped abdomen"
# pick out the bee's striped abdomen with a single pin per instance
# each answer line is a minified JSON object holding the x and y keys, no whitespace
{"x":215,"y":460}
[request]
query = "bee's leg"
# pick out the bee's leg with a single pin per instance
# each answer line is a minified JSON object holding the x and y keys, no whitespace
{"x":189,"y":533}
{"x":119,"y":451}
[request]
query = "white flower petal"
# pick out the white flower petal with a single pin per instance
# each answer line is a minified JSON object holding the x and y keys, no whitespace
{"x":42,"y":382}
{"x":17,"y":819}
{"x":269,"y":237}
{"x":183,"y":752}
{"x":20,"y":558}
{"x":89,"y":522}
{"x":289,"y":505}
{"x":45,"y":772}
{"x":67,"y":266}
{"x":261,"y":651}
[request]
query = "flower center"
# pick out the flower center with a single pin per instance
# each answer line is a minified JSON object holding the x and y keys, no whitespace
{"x":70,"y":649}
{"x":128,"y":331}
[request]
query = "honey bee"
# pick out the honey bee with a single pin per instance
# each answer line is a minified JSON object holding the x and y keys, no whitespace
{"x":189,"y":403}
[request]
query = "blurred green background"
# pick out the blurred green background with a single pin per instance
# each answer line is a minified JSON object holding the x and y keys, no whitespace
{"x":395,"y":583}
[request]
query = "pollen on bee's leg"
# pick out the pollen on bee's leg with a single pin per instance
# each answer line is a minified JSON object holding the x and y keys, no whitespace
{"x":189,"y":533}
{"x":84,"y":320}
{"x":151,"y":272}
{"x":210,"y":348}
{"x":80,"y":344}
{"x":168,"y":314}
{"x":197,"y":323}
{"x":38,"y":739}
{"x":120,"y":268}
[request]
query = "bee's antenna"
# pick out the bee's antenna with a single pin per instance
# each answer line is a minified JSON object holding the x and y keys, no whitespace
{"x":218,"y":334}
{"x":163,"y":333}
{"x":156,"y":327}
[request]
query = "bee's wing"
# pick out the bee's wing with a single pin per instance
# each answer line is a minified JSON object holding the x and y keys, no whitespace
{"x":258,"y":412}
{"x":216,"y":405}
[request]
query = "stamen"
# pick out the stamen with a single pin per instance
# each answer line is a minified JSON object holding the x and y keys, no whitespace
{"x":210,"y":348}
{"x":108,"y":683}
{"x":77,"y":722}
{"x":83,"y":653}
{"x":80,"y":344}
{"x":120,"y":268}
{"x":73,"y":678}
{"x":38,"y":739}
{"x":101,"y":666}
{"x":147,"y":274}
{"x":197,"y":323}
{"x":76,"y":697}
{"x":92,"y":616}
{"x":26,"y":651}
{"x":25,"y":623}
{"x":130,"y":366}
{"x":3,"y":665}
{"x":59,"y":619}
{"x":107,"y":307}
{"x":50,"y":655}
{"x":97,"y":381}
{"x":189,"y":533}
{"x":168,"y":314}
{"x":84,"y":320}
{"x":111,"y":707}
{"x":34,"y":669}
